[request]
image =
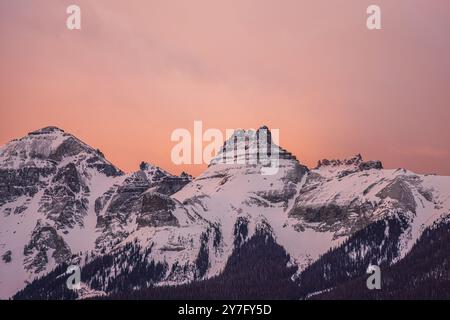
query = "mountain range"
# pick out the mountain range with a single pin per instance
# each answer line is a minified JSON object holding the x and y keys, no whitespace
{"x":231,"y":232}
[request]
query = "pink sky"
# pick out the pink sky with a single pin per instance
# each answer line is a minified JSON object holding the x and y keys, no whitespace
{"x":140,"y":69}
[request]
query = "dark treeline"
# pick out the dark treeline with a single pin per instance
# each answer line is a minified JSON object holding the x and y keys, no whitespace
{"x":131,"y":267}
{"x":376,"y":244}
{"x":259,"y":269}
{"x":423,"y":274}
{"x":49,"y":287}
{"x":127,"y":268}
{"x":256,"y":270}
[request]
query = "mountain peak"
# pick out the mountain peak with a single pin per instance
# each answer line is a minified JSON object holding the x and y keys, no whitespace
{"x":264,"y":128}
{"x":49,"y":146}
{"x":47,"y":130}
{"x":145,"y":166}
{"x":250,"y":147}
{"x":355,"y":160}
{"x":345,"y":166}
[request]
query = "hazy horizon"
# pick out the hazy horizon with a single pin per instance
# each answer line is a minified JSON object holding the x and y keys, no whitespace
{"x":138,"y":70}
{"x":198,"y":169}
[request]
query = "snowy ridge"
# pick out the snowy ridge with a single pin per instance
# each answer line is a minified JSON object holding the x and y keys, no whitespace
{"x":62,"y":201}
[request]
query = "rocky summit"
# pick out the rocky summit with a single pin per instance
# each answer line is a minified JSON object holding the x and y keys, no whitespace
{"x":133,"y":234}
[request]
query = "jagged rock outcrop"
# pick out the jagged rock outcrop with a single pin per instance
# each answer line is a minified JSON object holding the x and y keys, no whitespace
{"x":251,"y":147}
{"x":348,"y":166}
{"x":62,"y":203}
{"x":400,"y":191}
{"x":143,"y":197}
{"x":7,"y":256}
{"x":156,"y":211}
{"x":44,"y":239}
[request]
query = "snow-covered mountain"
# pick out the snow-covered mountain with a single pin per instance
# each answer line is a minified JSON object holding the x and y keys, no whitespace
{"x":63,"y":203}
{"x":59,"y":198}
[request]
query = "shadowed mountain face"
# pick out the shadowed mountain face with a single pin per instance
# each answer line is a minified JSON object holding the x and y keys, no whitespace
{"x":60,"y":198}
{"x":62,"y":203}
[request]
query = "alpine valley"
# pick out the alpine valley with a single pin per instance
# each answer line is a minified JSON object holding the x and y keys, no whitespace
{"x":230,"y":233}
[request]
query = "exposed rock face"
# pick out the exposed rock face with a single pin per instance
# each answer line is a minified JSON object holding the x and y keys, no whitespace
{"x":368,"y":165}
{"x":7,"y":256}
{"x":65,"y":200}
{"x":96,"y":162}
{"x":62,"y":201}
{"x":161,"y":181}
{"x":143,"y":197}
{"x":21,"y":182}
{"x":48,"y":180}
{"x":121,"y":202}
{"x":342,"y":220}
{"x":124,"y":199}
{"x":348,"y":166}
{"x":356,"y":160}
{"x":251,"y":147}
{"x":156,"y":211}
{"x":46,"y":130}
{"x":399,"y":190}
{"x":324,"y":206}
{"x":68,"y":148}
{"x":172,"y":184}
{"x":43,"y":240}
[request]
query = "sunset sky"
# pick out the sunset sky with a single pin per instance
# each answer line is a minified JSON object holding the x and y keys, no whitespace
{"x":137,"y":70}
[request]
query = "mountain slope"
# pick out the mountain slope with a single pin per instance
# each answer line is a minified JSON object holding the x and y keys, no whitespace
{"x":53,"y":189}
{"x":151,"y":228}
{"x":423,"y":274}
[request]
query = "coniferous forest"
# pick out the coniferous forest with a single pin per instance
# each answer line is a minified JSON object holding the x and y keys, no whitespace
{"x":259,"y":268}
